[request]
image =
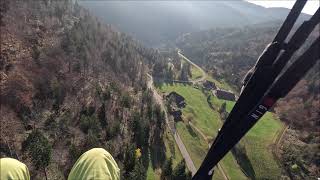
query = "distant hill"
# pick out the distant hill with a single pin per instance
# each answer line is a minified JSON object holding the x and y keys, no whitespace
{"x":157,"y":22}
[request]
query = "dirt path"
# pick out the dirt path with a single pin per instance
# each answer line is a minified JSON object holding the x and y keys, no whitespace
{"x":279,"y":139}
{"x":206,"y":139}
{"x":201,"y":133}
{"x":204,"y":74}
{"x":186,"y":156}
{"x":281,"y":136}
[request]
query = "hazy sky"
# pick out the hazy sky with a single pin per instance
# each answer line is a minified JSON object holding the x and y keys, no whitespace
{"x":309,"y":8}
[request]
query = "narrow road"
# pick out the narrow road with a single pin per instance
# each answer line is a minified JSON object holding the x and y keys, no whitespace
{"x":181,"y":146}
{"x":204,"y":74}
{"x":172,"y":129}
{"x":185,"y":153}
{"x":206,"y":139}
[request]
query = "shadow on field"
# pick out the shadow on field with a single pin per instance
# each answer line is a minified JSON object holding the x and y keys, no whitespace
{"x":191,"y":131}
{"x":157,"y":151}
{"x":239,"y":152}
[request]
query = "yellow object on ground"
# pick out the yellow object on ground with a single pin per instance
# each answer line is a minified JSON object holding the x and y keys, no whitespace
{"x":13,"y":169}
{"x":138,"y":153}
{"x":95,"y":164}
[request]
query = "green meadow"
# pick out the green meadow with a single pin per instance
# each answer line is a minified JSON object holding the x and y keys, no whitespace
{"x":258,"y":141}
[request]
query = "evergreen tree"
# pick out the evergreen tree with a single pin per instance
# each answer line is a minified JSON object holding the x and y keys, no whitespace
{"x":179,"y":172}
{"x":167,"y":169}
{"x":189,"y":69}
{"x":39,"y":148}
{"x":184,"y":73}
{"x":188,"y":175}
{"x":170,"y":74}
{"x":223,"y":107}
{"x":138,"y":173}
{"x":67,"y":44}
{"x":102,"y":116}
{"x":223,"y":111}
{"x":35,"y":53}
{"x":129,"y":159}
{"x":138,"y":129}
{"x":125,"y":100}
{"x":58,"y":93}
{"x":89,"y":123}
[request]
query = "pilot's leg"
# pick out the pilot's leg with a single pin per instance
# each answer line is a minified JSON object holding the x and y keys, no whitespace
{"x":95,"y":164}
{"x":13,"y":169}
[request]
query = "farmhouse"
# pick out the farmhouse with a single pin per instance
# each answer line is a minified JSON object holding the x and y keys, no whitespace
{"x":226,"y":95}
{"x":178,"y":99}
{"x":176,"y":113}
{"x":209,"y":85}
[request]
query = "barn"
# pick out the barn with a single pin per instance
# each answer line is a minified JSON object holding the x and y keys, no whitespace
{"x":178,"y":99}
{"x":225,"y":95}
{"x":209,"y":85}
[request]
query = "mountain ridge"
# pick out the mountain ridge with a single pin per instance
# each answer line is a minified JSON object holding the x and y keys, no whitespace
{"x":158,"y":22}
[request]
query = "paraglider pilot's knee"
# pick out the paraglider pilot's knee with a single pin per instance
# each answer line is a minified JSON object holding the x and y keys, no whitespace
{"x":97,"y":152}
{"x":97,"y":163}
{"x":13,"y":169}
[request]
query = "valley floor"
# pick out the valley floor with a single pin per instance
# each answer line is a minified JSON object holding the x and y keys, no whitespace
{"x":258,"y":142}
{"x":201,"y":122}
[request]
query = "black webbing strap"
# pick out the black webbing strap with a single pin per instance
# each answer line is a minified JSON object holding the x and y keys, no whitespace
{"x":266,"y":71}
{"x":279,"y":89}
{"x":289,"y":21}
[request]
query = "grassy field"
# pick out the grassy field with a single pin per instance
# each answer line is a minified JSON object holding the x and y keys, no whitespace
{"x":196,"y":73}
{"x":195,"y":145}
{"x":151,"y":174}
{"x":221,"y":84}
{"x":197,"y":109}
{"x":230,"y":166}
{"x":208,"y":121}
{"x":218,"y":102}
{"x":258,"y":141}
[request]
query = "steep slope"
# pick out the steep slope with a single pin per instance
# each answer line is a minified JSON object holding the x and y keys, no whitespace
{"x":159,"y":22}
{"x":226,"y":51}
{"x":70,"y":83}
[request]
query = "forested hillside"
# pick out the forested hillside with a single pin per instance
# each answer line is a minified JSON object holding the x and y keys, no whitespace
{"x":158,"y":23}
{"x":228,"y":53}
{"x":70,"y":83}
{"x":301,"y":143}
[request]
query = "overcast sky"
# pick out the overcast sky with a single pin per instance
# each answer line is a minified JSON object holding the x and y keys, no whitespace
{"x":310,"y":7}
